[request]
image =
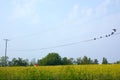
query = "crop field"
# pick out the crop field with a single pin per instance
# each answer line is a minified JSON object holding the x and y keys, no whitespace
{"x":69,"y":72}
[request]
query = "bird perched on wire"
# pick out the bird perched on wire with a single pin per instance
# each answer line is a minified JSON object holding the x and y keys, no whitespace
{"x":94,"y":38}
{"x":106,"y":36}
{"x":100,"y":36}
{"x":114,"y":30}
{"x":112,"y":33}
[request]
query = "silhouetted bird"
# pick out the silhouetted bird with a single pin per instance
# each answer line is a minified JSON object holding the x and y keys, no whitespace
{"x":109,"y":35}
{"x":106,"y":36}
{"x":114,"y":30}
{"x":94,"y":38}
{"x":100,"y":36}
{"x":112,"y":33}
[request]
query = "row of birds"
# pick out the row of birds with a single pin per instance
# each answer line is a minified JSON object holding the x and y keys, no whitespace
{"x":112,"y":33}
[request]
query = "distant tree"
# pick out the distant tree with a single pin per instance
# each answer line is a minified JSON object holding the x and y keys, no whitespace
{"x":14,"y":62}
{"x":90,"y":61}
{"x":86,"y":60}
{"x":19,"y":62}
{"x":2,"y":61}
{"x":64,"y":61}
{"x":71,"y":61}
{"x":79,"y":61}
{"x":50,"y":59}
{"x":95,"y":61}
{"x":10,"y":63}
{"x":117,"y":62}
{"x":33,"y":61}
{"x":104,"y":61}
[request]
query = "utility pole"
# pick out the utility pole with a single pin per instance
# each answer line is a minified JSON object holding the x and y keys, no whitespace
{"x":6,"y":40}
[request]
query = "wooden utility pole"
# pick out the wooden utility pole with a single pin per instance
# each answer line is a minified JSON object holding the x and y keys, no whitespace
{"x":6,"y":40}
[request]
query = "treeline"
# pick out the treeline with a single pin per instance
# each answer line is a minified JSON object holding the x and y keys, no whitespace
{"x":52,"y":59}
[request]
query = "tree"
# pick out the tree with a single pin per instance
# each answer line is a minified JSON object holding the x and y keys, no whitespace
{"x":90,"y":61}
{"x":117,"y":62}
{"x":95,"y":61}
{"x":79,"y":61}
{"x":2,"y":61}
{"x":86,"y":60}
{"x":33,"y":61}
{"x":50,"y":59}
{"x":19,"y":62}
{"x":66,"y":61}
{"x":104,"y":61}
{"x":14,"y":62}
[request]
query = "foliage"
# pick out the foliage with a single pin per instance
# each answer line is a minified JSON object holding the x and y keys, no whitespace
{"x":2,"y":61}
{"x":69,"y":72}
{"x":50,"y":59}
{"x":18,"y":62}
{"x":66,"y":61}
{"x":86,"y":60}
{"x":117,"y":62}
{"x":95,"y":61}
{"x":104,"y":61}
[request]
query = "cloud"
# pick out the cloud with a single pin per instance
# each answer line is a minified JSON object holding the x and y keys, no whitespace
{"x":87,"y":12}
{"x":24,"y":9}
{"x":78,"y":16}
{"x":72,"y":15}
{"x":104,"y":7}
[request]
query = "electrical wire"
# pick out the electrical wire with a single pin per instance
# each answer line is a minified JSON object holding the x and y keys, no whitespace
{"x":69,"y":44}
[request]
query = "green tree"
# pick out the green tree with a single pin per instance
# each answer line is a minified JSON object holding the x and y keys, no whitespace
{"x":85,"y":60}
{"x":66,"y":61}
{"x":50,"y":59}
{"x":90,"y":61}
{"x":2,"y":61}
{"x":117,"y":62}
{"x":33,"y":61}
{"x":104,"y":61}
{"x":79,"y":61}
{"x":95,"y":61}
{"x":19,"y":62}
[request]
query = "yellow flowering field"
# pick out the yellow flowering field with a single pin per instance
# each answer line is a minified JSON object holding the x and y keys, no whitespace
{"x":68,"y":72}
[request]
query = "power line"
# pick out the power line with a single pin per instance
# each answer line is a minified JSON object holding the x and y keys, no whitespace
{"x":69,"y":44}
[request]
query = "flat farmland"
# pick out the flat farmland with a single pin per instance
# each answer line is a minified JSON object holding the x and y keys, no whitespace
{"x":67,"y":72}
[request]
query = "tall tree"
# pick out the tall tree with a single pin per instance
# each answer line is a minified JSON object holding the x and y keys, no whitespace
{"x":19,"y":62}
{"x":85,"y":60}
{"x":79,"y":61}
{"x":2,"y":61}
{"x":117,"y":62}
{"x":104,"y":61}
{"x":50,"y":59}
{"x":33,"y":61}
{"x":66,"y":61}
{"x":95,"y":61}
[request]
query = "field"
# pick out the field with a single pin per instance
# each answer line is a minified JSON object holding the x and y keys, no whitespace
{"x":70,"y":72}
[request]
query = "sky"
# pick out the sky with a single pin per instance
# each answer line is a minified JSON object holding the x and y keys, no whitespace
{"x":32,"y":25}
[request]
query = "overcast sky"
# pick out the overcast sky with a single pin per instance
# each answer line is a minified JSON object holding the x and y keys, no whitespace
{"x":31,"y":25}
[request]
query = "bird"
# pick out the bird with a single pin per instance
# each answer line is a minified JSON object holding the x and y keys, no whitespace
{"x":100,"y":36}
{"x":94,"y":38}
{"x":114,"y":30}
{"x":109,"y":35}
{"x":106,"y":36}
{"x":112,"y":33}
